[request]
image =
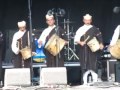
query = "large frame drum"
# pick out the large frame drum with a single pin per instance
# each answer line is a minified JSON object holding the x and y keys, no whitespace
{"x":26,"y":53}
{"x":55,"y":44}
{"x":94,"y":44}
{"x":115,"y":50}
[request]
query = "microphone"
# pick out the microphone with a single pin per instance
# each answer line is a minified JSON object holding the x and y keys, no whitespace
{"x":116,"y":9}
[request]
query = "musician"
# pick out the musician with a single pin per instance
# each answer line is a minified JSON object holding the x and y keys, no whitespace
{"x":115,"y":36}
{"x":52,"y":61}
{"x":87,"y":58}
{"x":19,"y":41}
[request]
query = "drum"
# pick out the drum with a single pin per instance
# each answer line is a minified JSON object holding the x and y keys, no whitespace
{"x":55,"y":44}
{"x":94,"y":44}
{"x":115,"y":50}
{"x":26,"y":52}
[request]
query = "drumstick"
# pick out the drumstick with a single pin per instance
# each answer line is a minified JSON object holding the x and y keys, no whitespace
{"x":17,"y":44}
{"x":86,"y":39}
{"x":98,"y":34}
{"x":28,"y":39}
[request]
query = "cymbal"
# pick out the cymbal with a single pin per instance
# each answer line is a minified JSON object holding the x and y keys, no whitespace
{"x":67,"y":22}
{"x":37,"y":30}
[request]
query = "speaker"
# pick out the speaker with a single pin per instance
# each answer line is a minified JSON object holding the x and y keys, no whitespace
{"x":17,"y":77}
{"x":53,"y":76}
{"x":117,"y":71}
{"x":73,"y":75}
{"x":111,"y":69}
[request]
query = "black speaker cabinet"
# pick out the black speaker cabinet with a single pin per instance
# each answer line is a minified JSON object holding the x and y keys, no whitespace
{"x":117,"y":71}
{"x":73,"y":75}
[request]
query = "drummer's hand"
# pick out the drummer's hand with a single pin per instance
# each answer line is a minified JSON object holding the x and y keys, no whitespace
{"x":66,"y":42}
{"x":109,"y":47}
{"x":34,"y":53}
{"x":82,"y":43}
{"x":101,"y":46}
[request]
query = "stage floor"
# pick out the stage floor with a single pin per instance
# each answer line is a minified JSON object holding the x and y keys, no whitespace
{"x":98,"y":86}
{"x":108,"y":86}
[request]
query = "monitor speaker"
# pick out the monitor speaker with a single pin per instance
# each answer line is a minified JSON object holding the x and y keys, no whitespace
{"x":53,"y":76}
{"x":17,"y":77}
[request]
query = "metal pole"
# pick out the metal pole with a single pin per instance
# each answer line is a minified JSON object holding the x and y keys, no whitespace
{"x":57,"y":42}
{"x":31,"y":40}
{"x":68,"y":37}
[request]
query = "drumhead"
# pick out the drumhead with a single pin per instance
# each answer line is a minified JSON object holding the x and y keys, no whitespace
{"x":55,"y":44}
{"x":115,"y":50}
{"x":26,"y":52}
{"x":94,"y":44}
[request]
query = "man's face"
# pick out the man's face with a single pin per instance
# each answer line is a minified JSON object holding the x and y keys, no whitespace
{"x":22,"y":28}
{"x":87,"y":21}
{"x":50,"y":21}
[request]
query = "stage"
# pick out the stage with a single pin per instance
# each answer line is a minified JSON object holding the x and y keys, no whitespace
{"x":101,"y":86}
{"x":73,"y":71}
{"x":77,"y":88}
{"x":73,"y":80}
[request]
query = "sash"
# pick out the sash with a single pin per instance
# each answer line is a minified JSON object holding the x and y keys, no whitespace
{"x":23,"y":40}
{"x":53,"y":31}
{"x":92,"y":32}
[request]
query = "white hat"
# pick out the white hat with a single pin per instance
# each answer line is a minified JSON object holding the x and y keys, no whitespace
{"x":87,"y":16}
{"x":21,"y":24}
{"x":49,"y":16}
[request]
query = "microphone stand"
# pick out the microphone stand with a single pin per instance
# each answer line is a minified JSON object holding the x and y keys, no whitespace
{"x":31,"y":40}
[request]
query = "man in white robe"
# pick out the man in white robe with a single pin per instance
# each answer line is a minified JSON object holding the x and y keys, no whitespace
{"x":87,"y":58}
{"x":58,"y":60}
{"x":20,"y":41}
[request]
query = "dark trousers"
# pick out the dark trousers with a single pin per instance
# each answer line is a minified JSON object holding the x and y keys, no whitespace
{"x":54,"y":61}
{"x":18,"y":62}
